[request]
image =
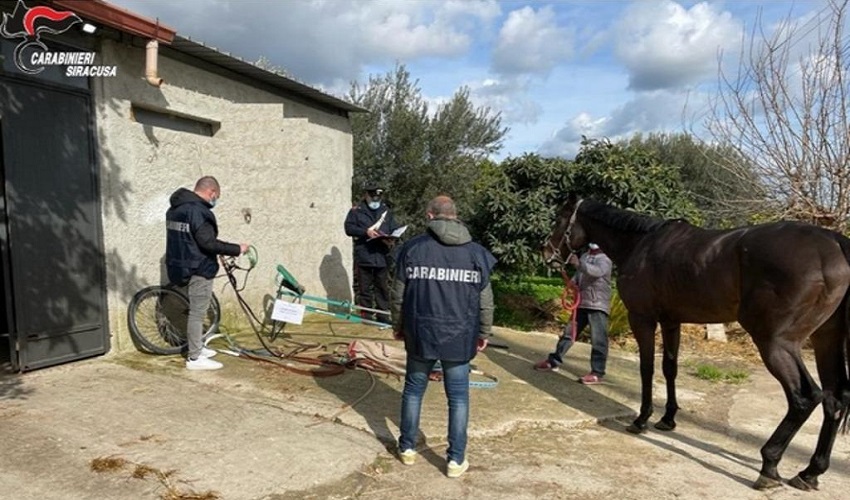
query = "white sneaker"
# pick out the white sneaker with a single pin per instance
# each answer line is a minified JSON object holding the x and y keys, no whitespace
{"x":207,"y":353}
{"x":408,"y":457}
{"x":203,"y":363}
{"x":455,"y":470}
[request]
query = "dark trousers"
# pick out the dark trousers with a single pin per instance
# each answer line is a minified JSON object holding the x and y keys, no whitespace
{"x":373,"y":290}
{"x":598,"y":321}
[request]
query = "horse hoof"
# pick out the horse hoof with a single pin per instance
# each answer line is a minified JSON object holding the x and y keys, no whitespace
{"x":766,"y":483}
{"x":802,"y":484}
{"x":664,"y":425}
{"x":636,"y":429}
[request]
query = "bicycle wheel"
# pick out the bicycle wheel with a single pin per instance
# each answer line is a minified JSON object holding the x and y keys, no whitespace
{"x":157,"y":318}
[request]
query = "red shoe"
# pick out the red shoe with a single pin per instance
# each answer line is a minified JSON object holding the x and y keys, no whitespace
{"x":591,"y":379}
{"x":545,"y":366}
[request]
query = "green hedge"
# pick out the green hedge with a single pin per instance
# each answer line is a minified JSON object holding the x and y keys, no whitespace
{"x":534,"y":303}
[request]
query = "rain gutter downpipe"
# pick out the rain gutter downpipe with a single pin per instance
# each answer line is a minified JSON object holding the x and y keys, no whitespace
{"x":151,"y":52}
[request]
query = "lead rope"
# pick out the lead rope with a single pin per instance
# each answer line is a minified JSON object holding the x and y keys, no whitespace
{"x":570,"y":288}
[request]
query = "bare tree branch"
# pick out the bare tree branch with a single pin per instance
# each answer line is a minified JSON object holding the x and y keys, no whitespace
{"x":785,"y":111}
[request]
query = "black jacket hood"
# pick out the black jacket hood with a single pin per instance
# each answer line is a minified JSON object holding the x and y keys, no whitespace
{"x":183,"y":196}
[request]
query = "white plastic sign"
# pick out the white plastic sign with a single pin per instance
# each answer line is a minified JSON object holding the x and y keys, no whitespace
{"x":288,"y":312}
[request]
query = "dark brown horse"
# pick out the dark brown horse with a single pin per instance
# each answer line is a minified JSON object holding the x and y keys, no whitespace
{"x":783,"y":282}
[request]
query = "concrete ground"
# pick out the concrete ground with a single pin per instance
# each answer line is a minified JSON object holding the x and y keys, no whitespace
{"x":136,"y":426}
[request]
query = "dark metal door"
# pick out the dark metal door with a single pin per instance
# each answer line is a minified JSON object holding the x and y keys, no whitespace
{"x":54,"y":249}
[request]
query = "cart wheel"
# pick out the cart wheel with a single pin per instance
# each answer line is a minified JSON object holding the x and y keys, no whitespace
{"x":157,"y":318}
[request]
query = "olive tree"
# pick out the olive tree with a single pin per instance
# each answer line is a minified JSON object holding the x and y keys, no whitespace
{"x":416,"y":150}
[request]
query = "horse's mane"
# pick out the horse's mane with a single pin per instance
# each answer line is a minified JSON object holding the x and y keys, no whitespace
{"x":620,"y":219}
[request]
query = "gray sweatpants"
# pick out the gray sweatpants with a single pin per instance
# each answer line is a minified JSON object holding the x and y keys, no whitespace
{"x":199,"y":291}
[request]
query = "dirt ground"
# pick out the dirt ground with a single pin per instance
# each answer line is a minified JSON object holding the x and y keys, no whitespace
{"x":255,"y":432}
{"x":714,"y":452}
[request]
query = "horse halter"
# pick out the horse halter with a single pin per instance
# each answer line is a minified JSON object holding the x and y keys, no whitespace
{"x":565,"y":239}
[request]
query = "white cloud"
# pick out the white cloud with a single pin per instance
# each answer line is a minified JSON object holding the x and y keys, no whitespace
{"x":657,"y":111}
{"x":567,"y":141}
{"x":665,"y":45}
{"x":510,"y":96}
{"x":531,"y":42}
{"x":322,"y":41}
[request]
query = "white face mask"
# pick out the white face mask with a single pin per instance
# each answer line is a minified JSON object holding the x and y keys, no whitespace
{"x":374,"y":205}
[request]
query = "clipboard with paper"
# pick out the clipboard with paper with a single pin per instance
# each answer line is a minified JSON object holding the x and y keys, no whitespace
{"x":394,"y":235}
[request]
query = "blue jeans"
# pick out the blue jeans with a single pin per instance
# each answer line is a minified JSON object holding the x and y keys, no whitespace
{"x":456,"y":384}
{"x":598,"y":321}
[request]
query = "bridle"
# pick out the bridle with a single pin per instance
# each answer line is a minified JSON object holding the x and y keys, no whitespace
{"x":565,"y":239}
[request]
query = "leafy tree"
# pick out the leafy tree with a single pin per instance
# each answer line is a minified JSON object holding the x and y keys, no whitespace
{"x":716,"y":192}
{"x":631,"y":177}
{"x":416,"y":153}
{"x":519,"y":200}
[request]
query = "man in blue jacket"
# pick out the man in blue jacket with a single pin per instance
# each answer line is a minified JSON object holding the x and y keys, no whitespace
{"x":192,"y":248}
{"x":368,"y":223}
{"x":442,"y":305}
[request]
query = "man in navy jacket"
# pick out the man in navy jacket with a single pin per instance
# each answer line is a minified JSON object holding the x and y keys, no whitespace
{"x":442,"y":305}
{"x":192,"y":248}
{"x":368,"y":223}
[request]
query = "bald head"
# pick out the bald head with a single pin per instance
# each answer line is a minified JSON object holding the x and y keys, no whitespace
{"x":207,"y":182}
{"x":442,"y":207}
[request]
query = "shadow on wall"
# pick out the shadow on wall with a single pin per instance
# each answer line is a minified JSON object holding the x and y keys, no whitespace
{"x":334,"y":279}
{"x":48,"y":157}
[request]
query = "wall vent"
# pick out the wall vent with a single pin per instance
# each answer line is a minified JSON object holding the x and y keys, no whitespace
{"x":173,"y":120}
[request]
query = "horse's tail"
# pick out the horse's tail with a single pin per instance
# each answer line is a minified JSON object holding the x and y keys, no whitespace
{"x":844,"y":395}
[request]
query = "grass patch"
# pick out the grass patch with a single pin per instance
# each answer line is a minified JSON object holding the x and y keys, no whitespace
{"x":716,"y":374}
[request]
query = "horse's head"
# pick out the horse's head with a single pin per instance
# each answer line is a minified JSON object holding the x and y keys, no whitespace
{"x":567,"y":236}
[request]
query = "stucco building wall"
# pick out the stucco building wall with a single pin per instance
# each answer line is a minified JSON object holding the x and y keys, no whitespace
{"x":287,"y":162}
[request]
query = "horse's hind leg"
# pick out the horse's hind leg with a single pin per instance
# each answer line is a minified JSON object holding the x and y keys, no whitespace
{"x":671,"y":334}
{"x":828,"y":342}
{"x":782,"y":359}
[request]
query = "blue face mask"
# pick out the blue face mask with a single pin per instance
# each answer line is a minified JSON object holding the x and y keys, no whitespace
{"x":213,"y":201}
{"x":374,"y":205}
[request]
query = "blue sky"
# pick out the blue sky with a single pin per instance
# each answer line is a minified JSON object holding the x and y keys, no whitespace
{"x":556,"y":70}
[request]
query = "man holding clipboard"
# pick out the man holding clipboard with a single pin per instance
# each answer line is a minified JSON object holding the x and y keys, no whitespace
{"x":375,"y":231}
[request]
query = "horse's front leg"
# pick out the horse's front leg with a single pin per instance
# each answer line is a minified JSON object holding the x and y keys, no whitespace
{"x":644,"y":331}
{"x":671,"y":334}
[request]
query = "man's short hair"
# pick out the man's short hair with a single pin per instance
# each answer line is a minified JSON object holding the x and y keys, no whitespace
{"x":442,"y":206}
{"x":207,"y":182}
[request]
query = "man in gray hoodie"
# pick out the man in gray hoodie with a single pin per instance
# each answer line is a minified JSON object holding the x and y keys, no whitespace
{"x":593,"y":276}
{"x":442,"y":306}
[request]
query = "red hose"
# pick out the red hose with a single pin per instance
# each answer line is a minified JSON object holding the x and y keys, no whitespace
{"x":570,"y":303}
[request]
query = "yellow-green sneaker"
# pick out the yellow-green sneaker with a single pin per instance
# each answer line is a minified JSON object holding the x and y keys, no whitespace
{"x":455,"y":470}
{"x":408,"y":457}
